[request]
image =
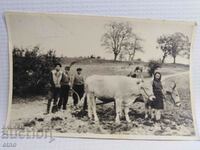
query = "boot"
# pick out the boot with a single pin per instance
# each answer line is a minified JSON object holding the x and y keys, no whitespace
{"x":158,"y":115}
{"x":54,"y":109}
{"x":48,"y":107}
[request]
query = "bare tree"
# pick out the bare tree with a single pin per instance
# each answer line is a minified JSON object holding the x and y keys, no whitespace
{"x":186,"y":52}
{"x":122,"y":56}
{"x":133,"y":46}
{"x":164,"y":42}
{"x":180,"y":45}
{"x":174,"y":45}
{"x":116,"y":35}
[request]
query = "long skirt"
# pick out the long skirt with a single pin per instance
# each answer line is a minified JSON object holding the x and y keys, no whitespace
{"x":158,"y":102}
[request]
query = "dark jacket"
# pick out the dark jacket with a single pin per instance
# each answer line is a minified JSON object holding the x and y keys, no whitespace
{"x":55,"y":83}
{"x":157,"y":86}
{"x":65,"y":79}
{"x":78,"y":80}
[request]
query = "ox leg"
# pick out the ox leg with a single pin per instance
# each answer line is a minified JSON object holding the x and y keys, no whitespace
{"x":152,"y":113}
{"x":89,"y":96}
{"x":176,"y":98}
{"x":158,"y":115}
{"x":114,"y":105}
{"x":126,"y":111}
{"x":96,"y":119}
{"x":146,"y":113}
{"x":118,"y":110}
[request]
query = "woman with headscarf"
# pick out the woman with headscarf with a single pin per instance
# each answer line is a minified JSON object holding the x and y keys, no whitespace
{"x":158,"y":103}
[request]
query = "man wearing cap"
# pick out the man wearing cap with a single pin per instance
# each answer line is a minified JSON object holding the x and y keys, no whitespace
{"x":65,"y":88}
{"x":78,"y":86}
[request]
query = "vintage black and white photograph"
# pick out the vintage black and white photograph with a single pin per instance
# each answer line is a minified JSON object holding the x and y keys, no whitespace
{"x":100,"y":77}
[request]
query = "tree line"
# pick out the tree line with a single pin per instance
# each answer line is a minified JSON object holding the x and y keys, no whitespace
{"x":120,"y":39}
{"x":31,"y":70}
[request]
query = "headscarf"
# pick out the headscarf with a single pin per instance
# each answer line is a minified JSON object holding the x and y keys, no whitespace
{"x":155,"y":76}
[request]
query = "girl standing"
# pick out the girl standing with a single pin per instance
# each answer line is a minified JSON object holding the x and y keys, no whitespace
{"x":158,"y":93}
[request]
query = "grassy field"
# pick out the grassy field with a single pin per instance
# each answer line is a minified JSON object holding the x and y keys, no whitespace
{"x":175,"y":121}
{"x":108,"y":67}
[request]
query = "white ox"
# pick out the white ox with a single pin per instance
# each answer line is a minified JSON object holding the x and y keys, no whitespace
{"x":123,"y":90}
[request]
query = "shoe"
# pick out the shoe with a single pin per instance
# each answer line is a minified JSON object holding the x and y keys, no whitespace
{"x":146,"y":116}
{"x":54,"y":109}
{"x":75,"y":107}
{"x":46,"y":113}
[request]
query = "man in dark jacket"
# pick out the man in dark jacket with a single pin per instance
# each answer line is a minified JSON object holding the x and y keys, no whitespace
{"x":65,"y":88}
{"x":55,"y":86}
{"x":78,"y":87}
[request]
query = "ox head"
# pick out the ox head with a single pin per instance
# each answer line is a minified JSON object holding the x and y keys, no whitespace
{"x":172,"y":94}
{"x":144,"y":91}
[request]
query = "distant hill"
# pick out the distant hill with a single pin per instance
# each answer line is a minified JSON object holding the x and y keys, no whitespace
{"x":80,"y":60}
{"x":88,"y":60}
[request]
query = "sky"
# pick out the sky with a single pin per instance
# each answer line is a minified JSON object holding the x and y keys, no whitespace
{"x":80,"y":35}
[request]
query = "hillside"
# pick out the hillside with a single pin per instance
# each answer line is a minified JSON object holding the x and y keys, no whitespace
{"x":88,"y":60}
{"x":109,"y":67}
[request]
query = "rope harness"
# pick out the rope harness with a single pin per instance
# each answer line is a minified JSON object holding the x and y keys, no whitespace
{"x":76,"y":94}
{"x":145,"y":92}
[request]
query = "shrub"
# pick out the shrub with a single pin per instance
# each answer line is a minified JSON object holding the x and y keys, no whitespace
{"x":98,"y":57}
{"x":31,"y":71}
{"x":153,"y":65}
{"x":139,"y":60}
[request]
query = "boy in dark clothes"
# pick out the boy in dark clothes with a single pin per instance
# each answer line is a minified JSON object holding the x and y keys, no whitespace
{"x":54,"y":93}
{"x":65,"y":88}
{"x":78,"y":87}
{"x":137,"y":73}
{"x":158,"y":103}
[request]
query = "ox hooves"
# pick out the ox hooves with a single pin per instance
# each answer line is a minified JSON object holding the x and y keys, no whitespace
{"x":146,"y":116}
{"x":119,"y":122}
{"x":129,"y":121}
{"x":96,"y":122}
{"x":93,"y":121}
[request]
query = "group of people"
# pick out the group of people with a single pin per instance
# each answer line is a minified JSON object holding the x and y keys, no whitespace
{"x":61,"y":82}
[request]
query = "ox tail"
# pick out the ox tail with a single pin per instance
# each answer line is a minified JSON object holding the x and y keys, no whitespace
{"x":82,"y":101}
{"x":84,"y":95}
